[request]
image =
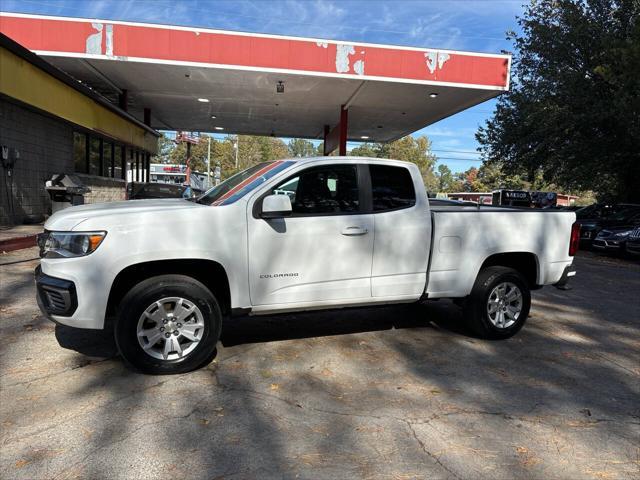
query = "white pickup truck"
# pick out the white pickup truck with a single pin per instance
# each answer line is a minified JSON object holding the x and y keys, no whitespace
{"x":291,"y":235}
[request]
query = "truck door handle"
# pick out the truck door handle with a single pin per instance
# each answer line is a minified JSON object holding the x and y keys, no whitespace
{"x":354,"y":231}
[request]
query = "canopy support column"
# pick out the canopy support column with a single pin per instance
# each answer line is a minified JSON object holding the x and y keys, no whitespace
{"x":336,"y":138}
{"x":344,"y":124}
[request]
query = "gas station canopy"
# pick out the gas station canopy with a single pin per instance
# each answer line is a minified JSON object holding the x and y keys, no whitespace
{"x":195,"y":79}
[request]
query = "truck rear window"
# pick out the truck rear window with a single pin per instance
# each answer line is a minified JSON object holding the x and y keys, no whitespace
{"x":392,"y":188}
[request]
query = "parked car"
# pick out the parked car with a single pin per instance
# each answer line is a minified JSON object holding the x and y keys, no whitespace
{"x":632,"y":245}
{"x":142,"y":191}
{"x":594,"y":218}
{"x":570,"y":208}
{"x":348,"y":231}
{"x":614,"y":237}
{"x":595,"y":210}
{"x":611,"y":239}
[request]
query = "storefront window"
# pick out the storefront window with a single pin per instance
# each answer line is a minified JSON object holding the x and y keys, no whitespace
{"x":94,"y":156}
{"x":107,"y":148}
{"x":99,"y":156}
{"x":80,"y":152}
{"x":117,"y":170}
{"x":131,"y":166}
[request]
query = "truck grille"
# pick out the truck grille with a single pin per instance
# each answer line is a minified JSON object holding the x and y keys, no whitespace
{"x":55,"y":300}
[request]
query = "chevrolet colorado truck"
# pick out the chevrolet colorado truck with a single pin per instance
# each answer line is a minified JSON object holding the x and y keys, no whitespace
{"x":291,"y":235}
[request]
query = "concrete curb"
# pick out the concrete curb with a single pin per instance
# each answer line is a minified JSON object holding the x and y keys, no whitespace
{"x":18,"y":243}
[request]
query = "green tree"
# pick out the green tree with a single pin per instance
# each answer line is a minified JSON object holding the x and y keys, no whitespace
{"x":408,"y":149}
{"x":165,"y":146}
{"x":178,"y":154}
{"x":275,"y":149}
{"x":492,"y":177}
{"x":366,"y":150}
{"x":299,"y":147}
{"x":251,"y":151}
{"x":573,"y":116}
{"x":223,"y":154}
{"x":445,"y":178}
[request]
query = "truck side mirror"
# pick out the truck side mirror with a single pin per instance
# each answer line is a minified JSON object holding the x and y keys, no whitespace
{"x":276,"y":206}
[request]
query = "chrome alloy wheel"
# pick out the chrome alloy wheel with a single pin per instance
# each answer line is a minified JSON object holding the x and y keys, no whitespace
{"x":170,"y":328}
{"x":504,"y":304}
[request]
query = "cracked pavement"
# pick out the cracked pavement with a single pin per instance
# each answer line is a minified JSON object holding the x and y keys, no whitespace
{"x":397,"y":392}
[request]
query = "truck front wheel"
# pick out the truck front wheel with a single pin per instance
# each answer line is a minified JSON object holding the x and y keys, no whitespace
{"x":499,"y":303}
{"x":168,"y":324}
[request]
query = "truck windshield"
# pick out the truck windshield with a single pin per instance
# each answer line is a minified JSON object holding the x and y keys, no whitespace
{"x":238,"y":185}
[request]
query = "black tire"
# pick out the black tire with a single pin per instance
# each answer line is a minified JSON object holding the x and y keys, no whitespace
{"x":475,"y":308}
{"x":144,"y":294}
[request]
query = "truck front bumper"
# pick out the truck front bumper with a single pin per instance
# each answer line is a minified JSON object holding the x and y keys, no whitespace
{"x":55,"y":296}
{"x":563,"y":283}
{"x":73,"y":291}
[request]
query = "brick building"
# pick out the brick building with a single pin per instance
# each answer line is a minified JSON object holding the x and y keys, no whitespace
{"x":50,"y":123}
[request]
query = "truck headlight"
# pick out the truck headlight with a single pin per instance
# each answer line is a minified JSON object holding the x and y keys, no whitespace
{"x":69,"y":244}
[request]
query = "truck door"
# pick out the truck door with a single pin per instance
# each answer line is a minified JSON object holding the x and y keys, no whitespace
{"x":323,"y":251}
{"x":402,"y":223}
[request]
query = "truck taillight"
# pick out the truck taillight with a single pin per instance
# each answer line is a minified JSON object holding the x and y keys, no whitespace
{"x":574,"y":243}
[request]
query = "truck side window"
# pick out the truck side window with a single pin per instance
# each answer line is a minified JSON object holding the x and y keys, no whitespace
{"x":392,"y":188}
{"x":325,"y":189}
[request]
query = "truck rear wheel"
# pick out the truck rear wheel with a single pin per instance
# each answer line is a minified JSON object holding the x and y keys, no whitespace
{"x":499,"y":303}
{"x":168,"y":324}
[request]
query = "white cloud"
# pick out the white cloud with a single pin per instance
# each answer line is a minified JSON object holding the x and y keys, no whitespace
{"x":451,"y":24}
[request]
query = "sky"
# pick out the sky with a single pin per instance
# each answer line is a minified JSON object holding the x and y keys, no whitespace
{"x":474,"y":25}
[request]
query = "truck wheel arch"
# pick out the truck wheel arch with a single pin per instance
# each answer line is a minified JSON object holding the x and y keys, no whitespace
{"x":208,"y":272}
{"x":526,"y":263}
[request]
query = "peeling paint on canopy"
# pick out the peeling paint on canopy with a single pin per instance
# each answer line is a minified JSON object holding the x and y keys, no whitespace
{"x":342,"y":57}
{"x":136,"y":42}
{"x":436,"y":60}
{"x":358,"y":67}
{"x":93,"y":43}
{"x":343,"y":61}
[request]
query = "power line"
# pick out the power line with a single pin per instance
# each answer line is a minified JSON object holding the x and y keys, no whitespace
{"x":459,"y":159}
{"x":455,"y":151}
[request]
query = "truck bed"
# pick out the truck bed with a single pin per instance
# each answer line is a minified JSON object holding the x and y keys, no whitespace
{"x":464,"y":237}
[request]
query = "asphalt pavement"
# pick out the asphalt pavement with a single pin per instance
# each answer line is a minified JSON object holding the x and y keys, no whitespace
{"x":397,"y":392}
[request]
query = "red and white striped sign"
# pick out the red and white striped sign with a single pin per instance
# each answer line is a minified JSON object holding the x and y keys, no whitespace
{"x":127,"y":41}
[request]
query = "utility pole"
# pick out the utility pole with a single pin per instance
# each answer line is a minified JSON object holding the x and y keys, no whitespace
{"x":235,"y":146}
{"x":209,"y":163}
{"x":217,"y":173}
{"x":189,"y":139}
